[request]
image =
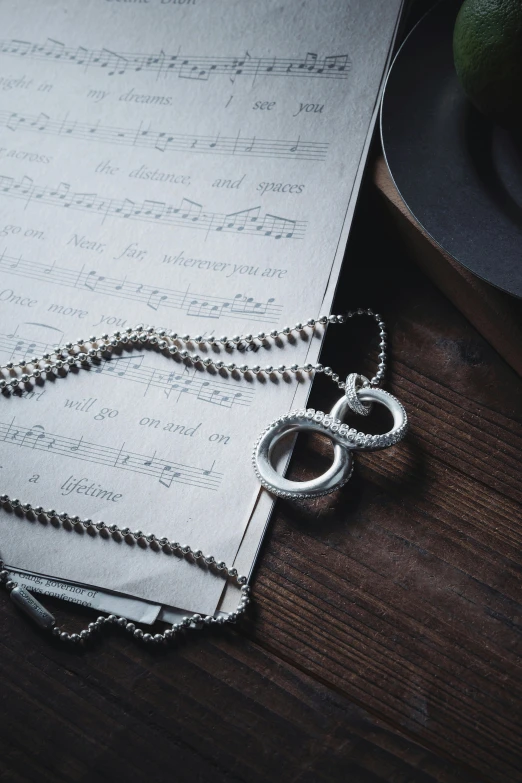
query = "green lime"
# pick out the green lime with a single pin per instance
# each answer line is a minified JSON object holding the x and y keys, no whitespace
{"x":487,"y":49}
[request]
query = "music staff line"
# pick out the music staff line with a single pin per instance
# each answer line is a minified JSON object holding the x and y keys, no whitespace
{"x":165,"y":471}
{"x":190,"y":214}
{"x":192,"y":67}
{"x":204,"y":306}
{"x":167,"y":141}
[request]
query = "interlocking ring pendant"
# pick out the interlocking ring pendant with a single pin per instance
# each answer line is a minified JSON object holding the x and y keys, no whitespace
{"x":345,"y":440}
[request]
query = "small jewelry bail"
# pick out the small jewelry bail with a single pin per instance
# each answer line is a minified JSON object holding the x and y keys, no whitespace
{"x":354,"y":382}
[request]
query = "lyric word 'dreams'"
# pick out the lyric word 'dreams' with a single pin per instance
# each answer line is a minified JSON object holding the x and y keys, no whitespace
{"x":156,"y":100}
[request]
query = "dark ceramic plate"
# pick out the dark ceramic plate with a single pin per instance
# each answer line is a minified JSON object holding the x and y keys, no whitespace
{"x":459,"y":174}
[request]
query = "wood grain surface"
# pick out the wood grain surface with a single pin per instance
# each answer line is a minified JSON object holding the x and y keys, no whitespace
{"x":385,"y":639}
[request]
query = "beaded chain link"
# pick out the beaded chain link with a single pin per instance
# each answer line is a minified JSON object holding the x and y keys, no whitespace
{"x":84,"y":352}
{"x":81,"y":354}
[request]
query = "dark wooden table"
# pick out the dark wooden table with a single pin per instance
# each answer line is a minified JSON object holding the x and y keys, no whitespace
{"x":385,"y":639}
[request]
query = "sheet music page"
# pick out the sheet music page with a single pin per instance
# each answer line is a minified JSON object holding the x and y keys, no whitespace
{"x":184,"y":165}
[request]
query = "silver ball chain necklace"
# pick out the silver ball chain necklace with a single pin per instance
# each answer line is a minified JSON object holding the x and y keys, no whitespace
{"x":359,"y":394}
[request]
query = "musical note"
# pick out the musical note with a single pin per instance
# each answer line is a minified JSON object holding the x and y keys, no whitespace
{"x":81,"y":56}
{"x":339,"y":62}
{"x":296,"y":145}
{"x":85,"y":199}
{"x":152,"y":61}
{"x":209,"y":472}
{"x":35,"y":434}
{"x":13,"y":122}
{"x":61,"y":192}
{"x":239,"y":65}
{"x":77,"y":445}
{"x":154,"y":208}
{"x":240,"y":302}
{"x":162,"y":141}
{"x":17,"y":349}
{"x":310,"y":62}
{"x":214,"y":396}
{"x":167,"y":477}
{"x":20,"y":48}
{"x":6,"y":183}
{"x":40,"y":123}
{"x":150,"y":461}
{"x":191,"y":70}
{"x":6,"y":430}
{"x":54,"y":48}
{"x":278,"y":227}
{"x":25,"y":186}
{"x":120,"y":365}
{"x":247,"y":305}
{"x":238,"y":220}
{"x":203,"y":309}
{"x":126,"y":208}
{"x":92,"y":279}
{"x":115,"y":63}
{"x":190,"y":209}
{"x":155,"y":299}
{"x":165,"y":471}
{"x":172,"y":62}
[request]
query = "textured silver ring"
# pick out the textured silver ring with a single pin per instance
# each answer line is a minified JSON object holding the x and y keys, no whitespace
{"x":354,"y":383}
{"x":360,"y":441}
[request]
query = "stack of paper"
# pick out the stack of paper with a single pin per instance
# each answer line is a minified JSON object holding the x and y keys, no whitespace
{"x":192,"y":165}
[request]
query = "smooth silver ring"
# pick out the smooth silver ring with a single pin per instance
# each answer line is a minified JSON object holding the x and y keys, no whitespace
{"x":338,"y":474}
